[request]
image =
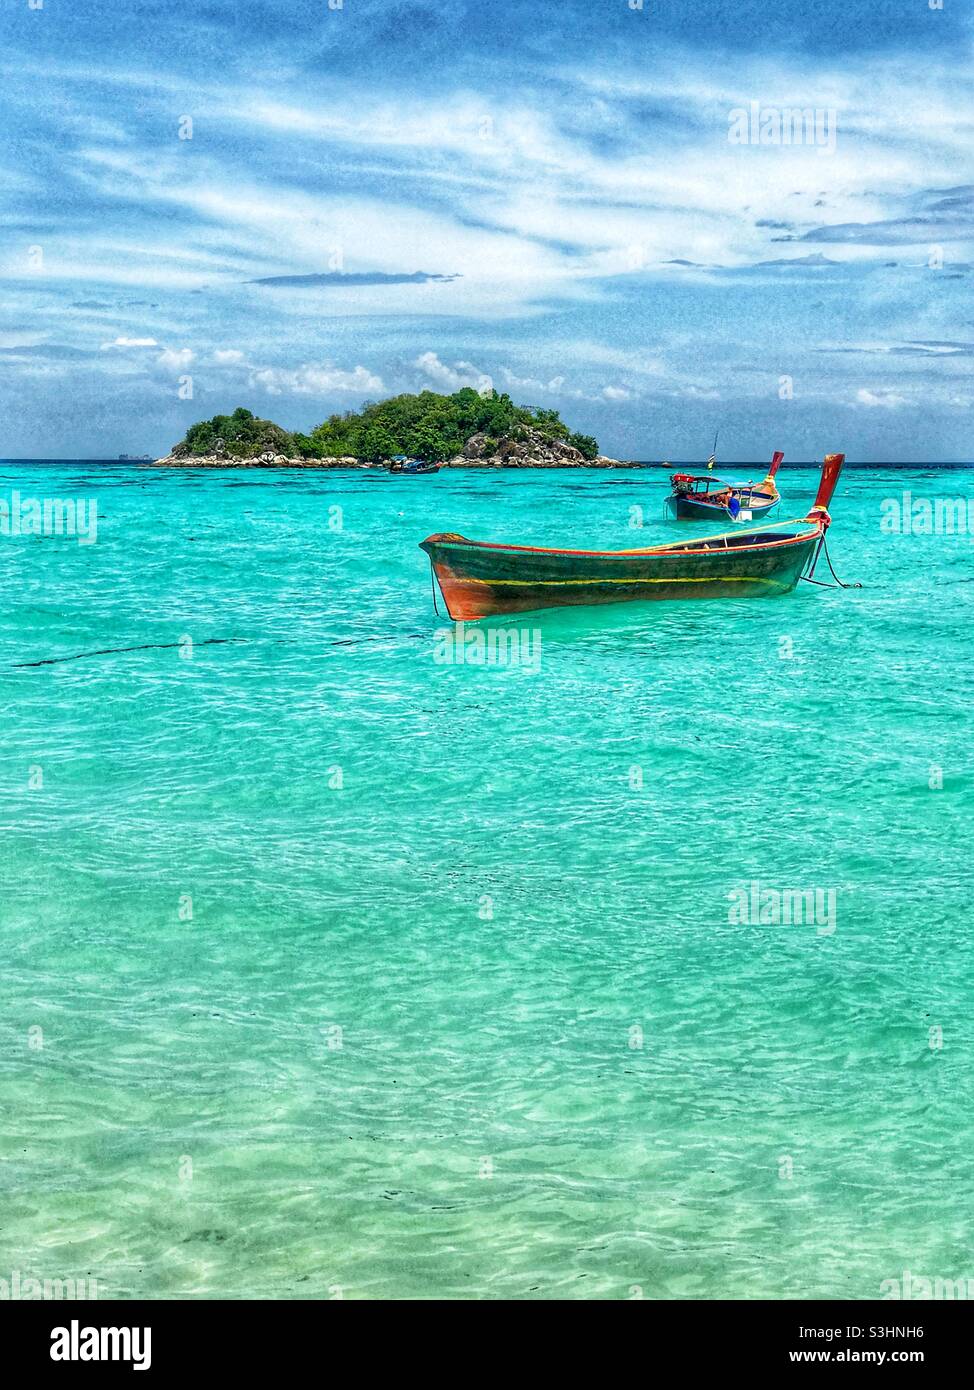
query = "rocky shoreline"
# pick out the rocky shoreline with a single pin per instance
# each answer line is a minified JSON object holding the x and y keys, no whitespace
{"x":280,"y":461}
{"x":530,"y":450}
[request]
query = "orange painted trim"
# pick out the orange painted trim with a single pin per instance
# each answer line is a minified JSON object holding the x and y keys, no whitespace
{"x":675,"y":548}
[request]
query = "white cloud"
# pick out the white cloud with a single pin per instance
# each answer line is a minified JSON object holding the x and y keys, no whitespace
{"x":530,"y":383}
{"x":542,"y":202}
{"x":531,"y":168}
{"x":452,"y":378}
{"x":699,"y":393}
{"x":887,"y":399}
{"x":313,"y":381}
{"x":529,"y":206}
{"x":557,"y":387}
{"x":175,"y":358}
{"x":131,"y":343}
{"x":227,"y":357}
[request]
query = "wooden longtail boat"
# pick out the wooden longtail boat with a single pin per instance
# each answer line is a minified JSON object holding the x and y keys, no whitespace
{"x":702,"y":497}
{"x":479,"y":579}
{"x":411,"y":468}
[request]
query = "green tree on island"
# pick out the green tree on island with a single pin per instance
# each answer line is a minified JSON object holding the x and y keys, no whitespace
{"x":428,"y":426}
{"x":240,"y":435}
{"x":376,"y":444}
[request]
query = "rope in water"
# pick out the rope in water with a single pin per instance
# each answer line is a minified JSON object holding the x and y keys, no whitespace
{"x":821,"y":582}
{"x":111,"y":651}
{"x":433,"y":587}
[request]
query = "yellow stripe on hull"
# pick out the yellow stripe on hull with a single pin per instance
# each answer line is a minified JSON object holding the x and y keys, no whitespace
{"x":668,"y":579}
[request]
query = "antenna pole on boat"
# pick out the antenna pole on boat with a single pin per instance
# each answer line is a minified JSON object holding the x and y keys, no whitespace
{"x":713,"y":455}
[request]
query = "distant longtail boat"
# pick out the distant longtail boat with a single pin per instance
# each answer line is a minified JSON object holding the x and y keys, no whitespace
{"x":411,"y":468}
{"x":479,"y":579}
{"x":702,"y":497}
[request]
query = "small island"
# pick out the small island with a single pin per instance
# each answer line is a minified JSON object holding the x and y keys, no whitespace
{"x":466,"y":430}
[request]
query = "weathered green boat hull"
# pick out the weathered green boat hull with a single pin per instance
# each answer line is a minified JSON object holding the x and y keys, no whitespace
{"x":479,"y":580}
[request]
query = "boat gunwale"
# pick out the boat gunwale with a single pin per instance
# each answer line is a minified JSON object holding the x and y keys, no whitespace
{"x":708,"y":499}
{"x":695,"y":547}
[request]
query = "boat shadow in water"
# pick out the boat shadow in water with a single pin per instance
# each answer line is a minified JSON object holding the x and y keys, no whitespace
{"x":640,"y":618}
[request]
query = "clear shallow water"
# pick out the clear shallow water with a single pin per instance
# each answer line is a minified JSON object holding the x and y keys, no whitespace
{"x":476,"y":1043}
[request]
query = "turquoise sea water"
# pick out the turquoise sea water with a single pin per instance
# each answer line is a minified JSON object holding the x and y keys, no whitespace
{"x":476,"y":1022}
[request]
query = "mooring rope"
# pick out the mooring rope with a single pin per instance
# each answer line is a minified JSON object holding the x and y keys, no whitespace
{"x":111,"y":651}
{"x":821,"y":582}
{"x":433,"y":587}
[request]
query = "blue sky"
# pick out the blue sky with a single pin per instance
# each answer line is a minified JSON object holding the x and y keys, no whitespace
{"x":386,"y":196}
